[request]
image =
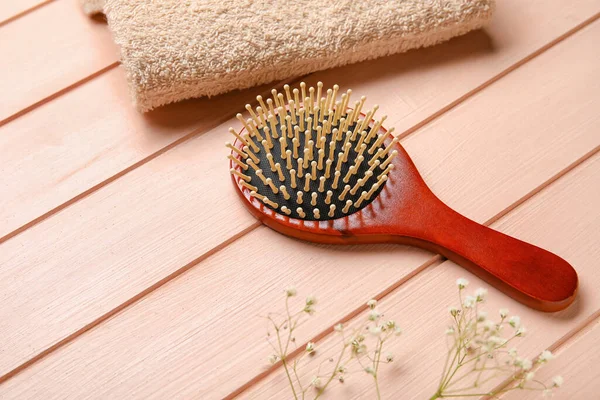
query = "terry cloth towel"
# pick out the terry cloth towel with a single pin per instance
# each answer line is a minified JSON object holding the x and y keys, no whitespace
{"x":177,"y":49}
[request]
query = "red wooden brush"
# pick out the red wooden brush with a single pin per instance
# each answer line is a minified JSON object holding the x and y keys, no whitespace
{"x":309,"y":166}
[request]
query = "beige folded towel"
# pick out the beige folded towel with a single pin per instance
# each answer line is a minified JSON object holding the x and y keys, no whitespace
{"x":177,"y":49}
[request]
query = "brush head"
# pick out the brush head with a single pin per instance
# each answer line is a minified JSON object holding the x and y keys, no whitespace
{"x":309,"y":156}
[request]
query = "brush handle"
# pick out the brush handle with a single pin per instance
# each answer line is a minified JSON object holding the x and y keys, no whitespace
{"x":531,"y":275}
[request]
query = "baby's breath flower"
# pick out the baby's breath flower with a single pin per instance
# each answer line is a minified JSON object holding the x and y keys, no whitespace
{"x":469,"y":302}
{"x":481,"y":316}
{"x":480,"y":294}
{"x":512,"y":352}
{"x":489,"y":325}
{"x":369,"y":370}
{"x":372,"y":303}
{"x":374,"y":315}
{"x":524,"y":363}
{"x":389,"y":357}
{"x":462,"y":283}
{"x":514,"y":321}
{"x":450,"y":330}
{"x":454,"y":311}
{"x":341,"y":369}
{"x":273,"y":358}
{"x":547,"y":393}
{"x":557,"y":381}
{"x":521,"y":331}
{"x":290,"y":291}
{"x":375,"y":330}
{"x":529,"y":376}
{"x":503,"y":313}
{"x":545,"y":356}
{"x":397,"y":331}
{"x":341,"y":379}
{"x":317,"y":382}
{"x":309,"y":309}
{"x":496,"y":340}
{"x":339,"y":327}
{"x":311,"y":300}
{"x":391,"y":324}
{"x":357,"y":347}
{"x":310,"y":347}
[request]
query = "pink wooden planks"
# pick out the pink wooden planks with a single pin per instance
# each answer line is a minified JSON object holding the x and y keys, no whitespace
{"x":558,"y":218}
{"x":101,"y":136}
{"x":577,"y":362}
{"x":48,"y":50}
{"x":10,"y":10}
{"x":51,"y":157}
{"x":164,"y":195}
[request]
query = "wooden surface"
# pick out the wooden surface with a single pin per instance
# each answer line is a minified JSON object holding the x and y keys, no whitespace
{"x":129,"y":267}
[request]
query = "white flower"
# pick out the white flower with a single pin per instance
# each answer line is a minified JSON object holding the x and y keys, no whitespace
{"x":389,"y":357}
{"x":481,"y":316}
{"x":512,"y":352}
{"x":310,"y":347}
{"x":496,"y":340}
{"x":369,"y":370}
{"x":557,"y":381}
{"x":454,"y":311}
{"x":521,"y":331}
{"x":311,"y":300}
{"x":374,"y":315}
{"x":291,"y":291}
{"x":397,"y":331}
{"x":514,"y":321}
{"x":529,"y":376}
{"x":375,"y":330}
{"x":450,"y":330}
{"x":309,"y":309}
{"x":524,"y":363}
{"x":462,"y":283}
{"x":469,"y":302}
{"x":317,"y":382}
{"x":391,"y":324}
{"x":339,"y":327}
{"x":547,"y":393}
{"x":273,"y":359}
{"x":372,"y":303}
{"x":480,"y":294}
{"x":489,"y":325}
{"x":503,"y":313}
{"x":546,"y":356}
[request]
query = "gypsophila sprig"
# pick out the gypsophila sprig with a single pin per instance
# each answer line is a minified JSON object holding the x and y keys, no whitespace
{"x":479,"y":353}
{"x":359,"y":350}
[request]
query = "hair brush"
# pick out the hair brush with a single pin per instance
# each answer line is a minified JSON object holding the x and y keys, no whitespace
{"x":310,"y":166}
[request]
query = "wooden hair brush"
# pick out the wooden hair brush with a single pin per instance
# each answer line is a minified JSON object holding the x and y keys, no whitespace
{"x":311,"y":167}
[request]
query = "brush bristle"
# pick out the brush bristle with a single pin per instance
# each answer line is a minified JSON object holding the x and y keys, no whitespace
{"x":312,"y":157}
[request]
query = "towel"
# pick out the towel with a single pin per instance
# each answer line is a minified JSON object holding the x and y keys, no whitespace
{"x":178,"y":49}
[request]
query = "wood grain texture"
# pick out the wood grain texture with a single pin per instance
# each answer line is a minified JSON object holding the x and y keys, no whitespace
{"x":102,"y":135}
{"x":104,"y":250}
{"x":50,"y":157}
{"x":63,"y":46}
{"x":562,"y":217}
{"x":577,"y":363}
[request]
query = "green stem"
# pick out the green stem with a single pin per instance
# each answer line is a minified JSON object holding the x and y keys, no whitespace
{"x":334,"y":373}
{"x":285,"y":366}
